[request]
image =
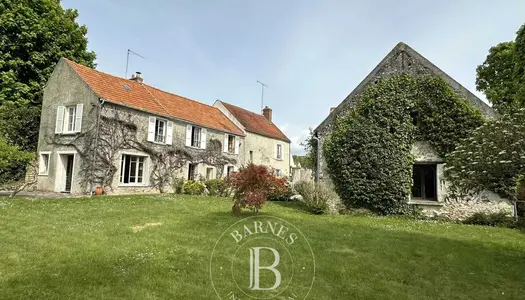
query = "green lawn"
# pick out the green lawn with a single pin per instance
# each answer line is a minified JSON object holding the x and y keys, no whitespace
{"x":92,"y":249}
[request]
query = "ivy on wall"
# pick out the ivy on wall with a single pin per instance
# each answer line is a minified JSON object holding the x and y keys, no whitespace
{"x":368,"y":151}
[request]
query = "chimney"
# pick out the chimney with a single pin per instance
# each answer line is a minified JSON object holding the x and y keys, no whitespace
{"x":332,"y":109}
{"x":267,"y":113}
{"x":138,"y":78}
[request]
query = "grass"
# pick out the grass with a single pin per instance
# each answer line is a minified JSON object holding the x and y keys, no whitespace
{"x":158,"y":247}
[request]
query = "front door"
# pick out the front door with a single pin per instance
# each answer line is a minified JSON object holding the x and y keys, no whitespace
{"x":69,"y":172}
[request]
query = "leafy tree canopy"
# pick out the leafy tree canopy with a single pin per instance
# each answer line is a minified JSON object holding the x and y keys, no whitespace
{"x":34,"y":35}
{"x":502,"y":77}
{"x":492,"y":158}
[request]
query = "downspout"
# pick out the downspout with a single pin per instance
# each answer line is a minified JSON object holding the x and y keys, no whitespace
{"x":97,"y":125}
{"x":317,"y":158}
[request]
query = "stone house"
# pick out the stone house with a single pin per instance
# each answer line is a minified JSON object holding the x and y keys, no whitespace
{"x":429,"y":187}
{"x":128,"y":137}
{"x":265,"y":143}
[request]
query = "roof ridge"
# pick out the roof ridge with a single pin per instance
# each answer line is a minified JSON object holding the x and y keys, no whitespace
{"x":244,"y":109}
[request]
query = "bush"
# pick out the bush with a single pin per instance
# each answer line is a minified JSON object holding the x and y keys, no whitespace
{"x":500,"y":219}
{"x":217,"y":187}
{"x":178,"y":185}
{"x":13,"y":162}
{"x":252,"y":185}
{"x":193,"y":187}
{"x":281,"y":194}
{"x":316,"y":196}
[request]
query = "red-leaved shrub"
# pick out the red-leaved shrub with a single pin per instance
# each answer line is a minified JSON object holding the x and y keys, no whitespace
{"x":252,"y":185}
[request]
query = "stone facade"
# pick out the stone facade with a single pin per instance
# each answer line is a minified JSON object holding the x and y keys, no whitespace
{"x":66,"y":88}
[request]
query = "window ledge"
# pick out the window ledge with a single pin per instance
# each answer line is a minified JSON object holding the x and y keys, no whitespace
{"x":196,"y":148}
{"x":132,"y":185}
{"x":67,"y":133}
{"x":426,"y":202}
{"x":43,"y":174}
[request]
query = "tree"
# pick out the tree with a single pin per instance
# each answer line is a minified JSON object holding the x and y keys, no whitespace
{"x":502,"y":75}
{"x":495,"y":77}
{"x":12,"y":161}
{"x":491,"y":159}
{"x":34,"y":35}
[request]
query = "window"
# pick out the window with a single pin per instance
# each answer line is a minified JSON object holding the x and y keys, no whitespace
{"x":251,"y":156}
{"x":132,"y":169}
{"x":229,"y":171}
{"x":160,"y":131}
{"x":231,"y":144}
{"x":192,"y":171}
{"x":425,"y":181}
{"x":43,"y":163}
{"x":279,"y":151}
{"x":209,"y":173}
{"x":278,"y":172}
{"x":69,"y":119}
{"x":196,"y":137}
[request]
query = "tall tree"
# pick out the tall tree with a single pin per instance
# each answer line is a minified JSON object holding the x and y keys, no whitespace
{"x":34,"y":35}
{"x":495,"y":77}
{"x":502,"y":75}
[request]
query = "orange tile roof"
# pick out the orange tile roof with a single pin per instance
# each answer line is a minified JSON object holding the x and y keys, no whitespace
{"x":145,"y":97}
{"x":256,"y":123}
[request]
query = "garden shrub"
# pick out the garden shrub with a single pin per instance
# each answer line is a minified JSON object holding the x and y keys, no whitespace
{"x":500,"y":219}
{"x":192,"y":187}
{"x":217,"y":187}
{"x":178,"y":185}
{"x":368,"y":152}
{"x":252,"y":185}
{"x":491,"y":159}
{"x":281,"y":194}
{"x":316,"y":196}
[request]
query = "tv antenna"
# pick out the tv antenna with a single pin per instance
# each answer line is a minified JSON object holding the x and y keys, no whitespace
{"x":127,"y":60}
{"x":262,"y":94}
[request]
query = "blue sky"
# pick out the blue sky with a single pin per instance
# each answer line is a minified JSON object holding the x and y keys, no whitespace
{"x":311,"y":54}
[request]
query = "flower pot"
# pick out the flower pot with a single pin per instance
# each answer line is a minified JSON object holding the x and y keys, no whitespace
{"x":99,"y":191}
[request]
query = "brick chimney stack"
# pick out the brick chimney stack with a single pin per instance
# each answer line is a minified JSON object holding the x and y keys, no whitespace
{"x":267,"y":113}
{"x":138,"y":78}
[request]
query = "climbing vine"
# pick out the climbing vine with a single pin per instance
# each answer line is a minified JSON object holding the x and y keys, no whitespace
{"x":368,"y":152}
{"x":100,"y":151}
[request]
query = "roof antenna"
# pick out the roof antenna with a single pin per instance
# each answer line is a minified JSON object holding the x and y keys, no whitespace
{"x":127,"y":60}
{"x":262,"y":94}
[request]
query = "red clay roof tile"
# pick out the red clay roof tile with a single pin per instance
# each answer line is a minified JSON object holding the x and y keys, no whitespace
{"x":154,"y":100}
{"x":256,"y":123}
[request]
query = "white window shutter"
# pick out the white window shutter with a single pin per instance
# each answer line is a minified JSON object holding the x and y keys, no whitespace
{"x":225,"y":144}
{"x":203,"y":138}
{"x":60,"y":119}
{"x":236,"y":142}
{"x":151,"y":129}
{"x":188,"y":135}
{"x":169,"y":133}
{"x":78,"y":120}
{"x":41,"y":164}
{"x":275,"y":152}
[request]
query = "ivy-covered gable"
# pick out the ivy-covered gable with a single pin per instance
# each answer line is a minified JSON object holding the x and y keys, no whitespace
{"x":402,"y":60}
